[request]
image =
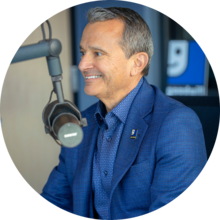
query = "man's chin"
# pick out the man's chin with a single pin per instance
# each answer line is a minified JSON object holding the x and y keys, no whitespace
{"x":89,"y":91}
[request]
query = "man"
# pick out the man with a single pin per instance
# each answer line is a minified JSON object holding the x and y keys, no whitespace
{"x":141,"y":149}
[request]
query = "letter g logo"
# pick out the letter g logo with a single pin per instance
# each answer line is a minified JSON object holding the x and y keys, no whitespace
{"x":177,"y":57}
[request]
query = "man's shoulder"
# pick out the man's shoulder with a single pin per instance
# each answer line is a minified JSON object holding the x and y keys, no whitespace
{"x":160,"y":101}
{"x":170,"y":107}
{"x":165,"y":102}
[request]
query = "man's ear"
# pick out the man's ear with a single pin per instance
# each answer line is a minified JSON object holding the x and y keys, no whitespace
{"x":140,"y":60}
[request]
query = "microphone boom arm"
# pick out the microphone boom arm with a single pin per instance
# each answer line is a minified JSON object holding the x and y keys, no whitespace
{"x":51,"y":50}
{"x":62,"y":119}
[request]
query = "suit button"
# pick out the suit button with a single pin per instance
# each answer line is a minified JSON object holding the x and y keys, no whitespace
{"x":108,"y":139}
{"x":106,"y":173}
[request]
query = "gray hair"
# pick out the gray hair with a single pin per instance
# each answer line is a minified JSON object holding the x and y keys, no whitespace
{"x":136,"y":35}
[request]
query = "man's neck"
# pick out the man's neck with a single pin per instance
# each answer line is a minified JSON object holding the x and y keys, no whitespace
{"x":112,"y":102}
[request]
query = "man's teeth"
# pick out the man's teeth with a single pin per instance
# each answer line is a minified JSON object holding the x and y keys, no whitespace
{"x":92,"y":77}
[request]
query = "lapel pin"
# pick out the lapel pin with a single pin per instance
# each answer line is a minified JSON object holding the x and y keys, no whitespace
{"x":134,"y":133}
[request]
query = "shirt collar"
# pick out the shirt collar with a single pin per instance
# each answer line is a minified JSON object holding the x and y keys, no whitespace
{"x":121,"y":110}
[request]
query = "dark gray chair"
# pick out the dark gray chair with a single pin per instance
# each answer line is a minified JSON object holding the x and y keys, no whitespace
{"x":208,"y":110}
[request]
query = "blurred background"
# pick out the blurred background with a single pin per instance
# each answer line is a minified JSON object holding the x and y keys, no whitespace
{"x":179,"y":68}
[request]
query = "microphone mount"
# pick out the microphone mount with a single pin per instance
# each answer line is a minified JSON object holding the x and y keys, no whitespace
{"x":61,"y":118}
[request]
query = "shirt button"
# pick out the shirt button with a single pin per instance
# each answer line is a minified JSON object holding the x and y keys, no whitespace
{"x":108,"y":139}
{"x":106,"y":173}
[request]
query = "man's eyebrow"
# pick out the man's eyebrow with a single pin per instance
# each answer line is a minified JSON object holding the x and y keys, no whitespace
{"x":94,"y":48}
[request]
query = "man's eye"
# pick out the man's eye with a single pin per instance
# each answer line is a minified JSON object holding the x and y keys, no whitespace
{"x":82,"y":53}
{"x":98,"y":54}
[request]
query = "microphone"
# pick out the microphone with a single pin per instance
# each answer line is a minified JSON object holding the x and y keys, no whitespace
{"x":62,"y":119}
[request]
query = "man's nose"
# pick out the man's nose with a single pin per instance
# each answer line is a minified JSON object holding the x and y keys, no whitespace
{"x":86,"y":63}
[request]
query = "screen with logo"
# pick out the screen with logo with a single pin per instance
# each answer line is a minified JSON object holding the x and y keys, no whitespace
{"x":187,"y":71}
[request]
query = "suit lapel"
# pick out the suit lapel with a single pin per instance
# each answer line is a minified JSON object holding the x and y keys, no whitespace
{"x":128,"y":148}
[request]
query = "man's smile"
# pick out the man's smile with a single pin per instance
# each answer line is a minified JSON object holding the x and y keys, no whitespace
{"x":92,"y":77}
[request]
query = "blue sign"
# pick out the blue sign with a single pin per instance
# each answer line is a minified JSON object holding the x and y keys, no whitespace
{"x":186,"y":63}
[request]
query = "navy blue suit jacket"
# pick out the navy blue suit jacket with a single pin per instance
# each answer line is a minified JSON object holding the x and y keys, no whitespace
{"x":149,"y":171}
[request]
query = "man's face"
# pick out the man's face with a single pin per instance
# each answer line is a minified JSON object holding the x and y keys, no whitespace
{"x":103,"y":63}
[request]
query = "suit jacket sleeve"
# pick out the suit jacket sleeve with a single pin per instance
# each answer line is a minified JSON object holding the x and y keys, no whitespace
{"x":57,"y":189}
{"x":180,"y":156}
